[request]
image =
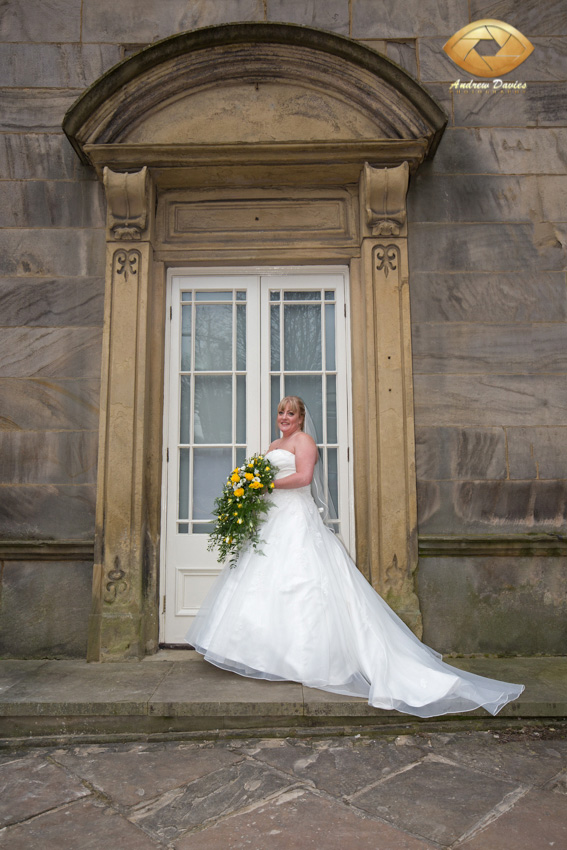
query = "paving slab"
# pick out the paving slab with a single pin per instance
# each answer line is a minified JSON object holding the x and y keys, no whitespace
{"x":535,"y":822}
{"x":434,"y":799}
{"x":13,"y":671}
{"x":131,"y":773}
{"x":88,"y":825}
{"x":213,"y":796}
{"x":301,"y":819}
{"x":32,"y":785}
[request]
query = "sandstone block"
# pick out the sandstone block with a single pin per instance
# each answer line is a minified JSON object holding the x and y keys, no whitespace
{"x":530,"y":17}
{"x":35,"y":110}
{"x":50,"y":302}
{"x":537,"y":452}
{"x":476,"y":198}
{"x":333,"y":15}
{"x":50,"y":352}
{"x":513,"y":606}
{"x":501,"y":150}
{"x":36,"y":156}
{"x":460,"y":453}
{"x":47,"y":512}
{"x":490,"y":400}
{"x":404,"y":53}
{"x":537,"y":106}
{"x":523,"y":296}
{"x":35,"y":20}
{"x":395,"y":20}
{"x":551,"y":193}
{"x":59,"y":252}
{"x":145,"y":21}
{"x":45,"y":609}
{"x":38,"y":203}
{"x":45,"y":404}
{"x":58,"y":66}
{"x":48,"y":457}
{"x":486,"y":247}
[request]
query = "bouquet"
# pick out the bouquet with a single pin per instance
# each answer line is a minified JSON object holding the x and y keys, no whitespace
{"x":240,"y":508}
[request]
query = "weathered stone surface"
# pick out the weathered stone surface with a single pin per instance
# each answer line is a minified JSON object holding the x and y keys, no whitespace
{"x":475,"y":198}
{"x":522,"y":296}
{"x":45,"y":609}
{"x":539,"y":105}
{"x":35,"y":20}
{"x":60,"y":66}
{"x":63,"y":252}
{"x":48,"y":457}
{"x":131,"y":773}
{"x":501,"y":150}
{"x":35,"y":203}
{"x":537,"y":819}
{"x":492,"y":507}
{"x":439,"y":791}
{"x":36,"y":155}
{"x":50,"y":352}
{"x":333,"y":15}
{"x":504,"y":605}
{"x":32,"y":785}
{"x":471,"y":453}
{"x":551,"y":192}
{"x":404,"y":54}
{"x":51,"y":302}
{"x":548,"y":62}
{"x":96,"y":825}
{"x":530,"y":17}
{"x":35,"y":403}
{"x":489,"y":348}
{"x":301,"y":817}
{"x":486,"y":400}
{"x":340,"y":771}
{"x":385,"y":20}
{"x":486,"y":247}
{"x":220,"y":793}
{"x":146,"y":21}
{"x":35,"y":110}
{"x":537,"y":452}
{"x":47,"y":511}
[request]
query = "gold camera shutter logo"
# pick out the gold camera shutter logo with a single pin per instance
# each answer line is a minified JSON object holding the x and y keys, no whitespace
{"x":514,"y":48}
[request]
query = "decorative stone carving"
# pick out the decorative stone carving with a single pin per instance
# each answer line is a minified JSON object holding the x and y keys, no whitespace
{"x":126,"y":263}
{"x":383,"y":193}
{"x":127,"y":196}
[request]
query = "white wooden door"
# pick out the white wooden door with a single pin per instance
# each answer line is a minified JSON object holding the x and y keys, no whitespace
{"x":237,"y":342}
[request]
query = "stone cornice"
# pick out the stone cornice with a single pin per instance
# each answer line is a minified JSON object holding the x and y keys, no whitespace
{"x":502,"y":545}
{"x":46,"y":550}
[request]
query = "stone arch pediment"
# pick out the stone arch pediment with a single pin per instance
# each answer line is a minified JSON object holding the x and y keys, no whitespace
{"x":268,"y":85}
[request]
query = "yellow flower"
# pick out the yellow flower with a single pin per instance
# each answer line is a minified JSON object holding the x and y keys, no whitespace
{"x":239,"y":522}
{"x":236,"y":513}
{"x":235,"y":477}
{"x":250,"y":465}
{"x":239,"y":492}
{"x":255,"y":485}
{"x":272,"y":485}
{"x":248,"y":476}
{"x":267,"y":469}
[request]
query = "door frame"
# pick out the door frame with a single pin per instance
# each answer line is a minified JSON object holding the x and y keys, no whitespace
{"x":258,"y":271}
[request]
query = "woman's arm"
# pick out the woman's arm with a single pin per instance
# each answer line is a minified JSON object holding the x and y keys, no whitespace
{"x":305,"y":460}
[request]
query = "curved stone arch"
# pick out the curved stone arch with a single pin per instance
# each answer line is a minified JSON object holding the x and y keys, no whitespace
{"x":248,"y":115}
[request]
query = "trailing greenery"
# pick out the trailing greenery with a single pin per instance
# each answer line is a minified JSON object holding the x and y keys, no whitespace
{"x":240,"y":508}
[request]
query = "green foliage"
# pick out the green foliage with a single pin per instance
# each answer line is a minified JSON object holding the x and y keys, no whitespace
{"x":240,"y":508}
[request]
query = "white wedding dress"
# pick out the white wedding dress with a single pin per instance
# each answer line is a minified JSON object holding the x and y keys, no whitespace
{"x":303,"y":612}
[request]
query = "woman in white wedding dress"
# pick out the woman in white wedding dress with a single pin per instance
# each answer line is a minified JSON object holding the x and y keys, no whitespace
{"x":299,"y":610}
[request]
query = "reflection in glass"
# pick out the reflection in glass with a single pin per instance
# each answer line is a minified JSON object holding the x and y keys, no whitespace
{"x":329,"y":295}
{"x":211,"y":468}
{"x":186,"y":295}
{"x":275,"y":400}
{"x":333,"y":482}
{"x":186,"y":338}
{"x":203,"y":527}
{"x":308,"y":387}
{"x":213,"y":409}
{"x":241,"y":295}
{"x":289,"y":295}
{"x":302,"y":335}
{"x":213,"y":295}
{"x":275,"y":338}
{"x":213,"y":337}
{"x":184,"y":458}
{"x":274,"y":295}
{"x":240,"y":456}
{"x":331,"y":409}
{"x":330,"y":337}
{"x":240,"y":408}
{"x":241,"y":337}
{"x":183,"y":528}
{"x":185,"y":412}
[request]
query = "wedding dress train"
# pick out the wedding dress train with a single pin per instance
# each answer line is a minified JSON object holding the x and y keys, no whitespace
{"x":301,"y":611}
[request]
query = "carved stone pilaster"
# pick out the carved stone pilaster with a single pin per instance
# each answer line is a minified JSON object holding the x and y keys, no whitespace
{"x":383,"y":200}
{"x":127,"y":196}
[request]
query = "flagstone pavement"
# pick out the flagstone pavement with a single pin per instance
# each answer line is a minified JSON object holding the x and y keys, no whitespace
{"x":472,"y":790}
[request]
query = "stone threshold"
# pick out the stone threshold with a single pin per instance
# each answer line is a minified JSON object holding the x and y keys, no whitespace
{"x":175,"y":693}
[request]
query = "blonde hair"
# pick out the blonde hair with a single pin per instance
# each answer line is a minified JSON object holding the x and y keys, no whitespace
{"x":296,"y":404}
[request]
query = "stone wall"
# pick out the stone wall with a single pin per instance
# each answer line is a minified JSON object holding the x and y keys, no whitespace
{"x":487,"y":236}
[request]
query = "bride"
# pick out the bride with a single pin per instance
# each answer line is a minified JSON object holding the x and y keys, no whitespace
{"x":299,"y":610}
